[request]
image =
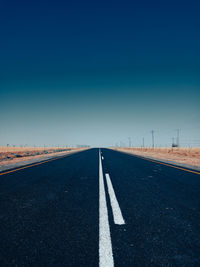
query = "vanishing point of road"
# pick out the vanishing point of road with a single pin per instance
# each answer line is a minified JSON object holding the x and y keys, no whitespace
{"x":100,"y":207}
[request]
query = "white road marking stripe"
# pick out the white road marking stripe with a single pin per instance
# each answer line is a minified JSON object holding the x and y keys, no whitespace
{"x":117,"y":214}
{"x":105,"y":245}
{"x":102,"y":157}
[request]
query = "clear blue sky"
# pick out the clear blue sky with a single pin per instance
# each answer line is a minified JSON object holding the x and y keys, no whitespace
{"x":97,"y":72}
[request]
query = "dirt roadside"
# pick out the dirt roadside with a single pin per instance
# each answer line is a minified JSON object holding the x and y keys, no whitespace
{"x":184,"y":157}
{"x":11,"y":163}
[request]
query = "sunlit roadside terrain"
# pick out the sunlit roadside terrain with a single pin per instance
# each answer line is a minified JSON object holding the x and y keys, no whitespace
{"x":189,"y":156}
{"x":9,"y":155}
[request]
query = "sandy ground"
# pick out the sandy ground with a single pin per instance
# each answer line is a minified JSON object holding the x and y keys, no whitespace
{"x":12,"y":157}
{"x":188,"y":157}
{"x":8,"y":153}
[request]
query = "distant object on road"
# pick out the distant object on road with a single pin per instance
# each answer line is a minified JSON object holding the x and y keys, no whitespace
{"x":174,"y":145}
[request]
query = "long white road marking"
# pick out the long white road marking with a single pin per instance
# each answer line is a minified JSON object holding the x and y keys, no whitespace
{"x":105,"y":245}
{"x":117,"y":214}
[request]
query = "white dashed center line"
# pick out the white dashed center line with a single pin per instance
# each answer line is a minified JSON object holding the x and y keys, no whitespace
{"x":105,"y":245}
{"x":117,"y":214}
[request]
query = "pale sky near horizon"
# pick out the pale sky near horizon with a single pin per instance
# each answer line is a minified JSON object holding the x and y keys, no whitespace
{"x":98,"y":73}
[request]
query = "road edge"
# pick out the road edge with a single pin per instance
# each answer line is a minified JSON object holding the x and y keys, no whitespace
{"x":16,"y":165}
{"x":192,"y":167}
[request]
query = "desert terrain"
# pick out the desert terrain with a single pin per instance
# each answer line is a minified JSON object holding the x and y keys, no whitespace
{"x":185,"y":156}
{"x":11,"y":156}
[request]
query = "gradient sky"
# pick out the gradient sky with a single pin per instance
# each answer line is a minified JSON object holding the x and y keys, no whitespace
{"x":98,"y":72}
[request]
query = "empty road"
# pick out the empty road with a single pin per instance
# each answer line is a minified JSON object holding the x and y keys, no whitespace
{"x":100,"y":208}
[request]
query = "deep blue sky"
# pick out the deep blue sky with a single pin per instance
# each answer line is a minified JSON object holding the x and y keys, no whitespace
{"x":97,"y":72}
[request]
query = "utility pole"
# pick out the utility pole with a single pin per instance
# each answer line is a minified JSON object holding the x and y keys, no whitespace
{"x":152,"y":133}
{"x":178,"y":137}
{"x":129,"y":139}
{"x":143,"y":142}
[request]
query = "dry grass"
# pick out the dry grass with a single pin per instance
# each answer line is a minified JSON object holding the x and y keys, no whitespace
{"x":189,"y":156}
{"x":15,"y":149}
{"x":21,"y":153}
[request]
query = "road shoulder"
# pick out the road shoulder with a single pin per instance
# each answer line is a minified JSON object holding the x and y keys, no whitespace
{"x":192,"y":167}
{"x":31,"y":160}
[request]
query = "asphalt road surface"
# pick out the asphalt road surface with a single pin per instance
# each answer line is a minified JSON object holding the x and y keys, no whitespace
{"x":100,"y":208}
